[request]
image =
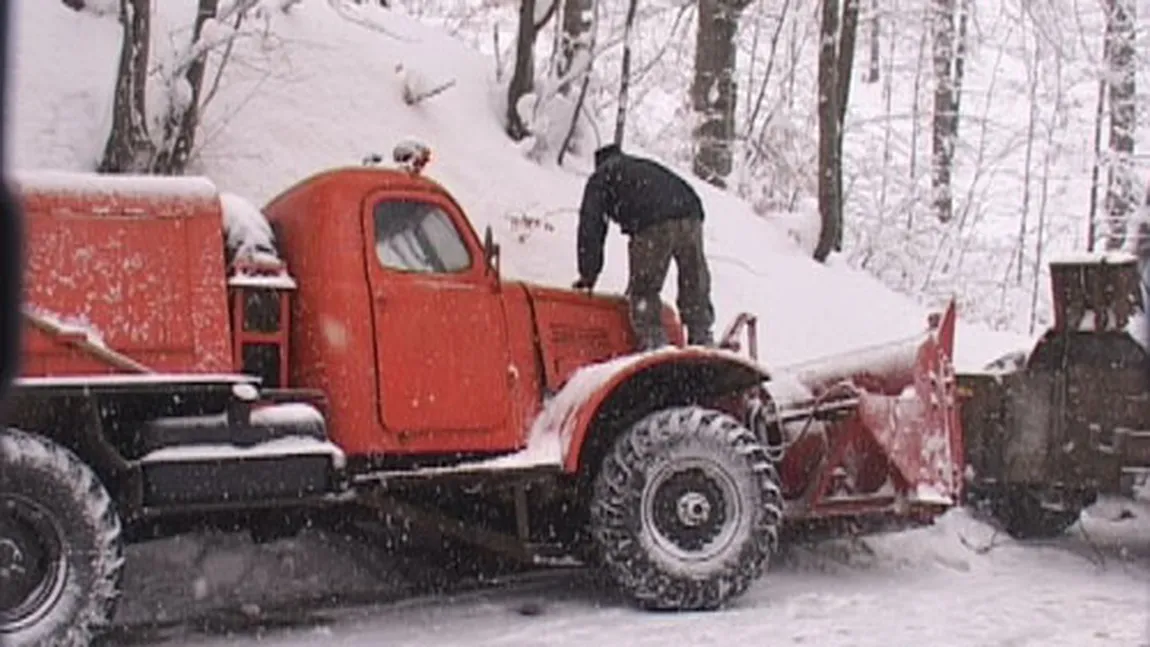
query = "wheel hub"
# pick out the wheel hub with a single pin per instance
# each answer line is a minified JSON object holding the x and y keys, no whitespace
{"x":691,"y":510}
{"x":32,"y":567}
{"x":694,"y":509}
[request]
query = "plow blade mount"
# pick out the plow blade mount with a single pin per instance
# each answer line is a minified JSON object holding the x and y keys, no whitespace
{"x":899,"y":400}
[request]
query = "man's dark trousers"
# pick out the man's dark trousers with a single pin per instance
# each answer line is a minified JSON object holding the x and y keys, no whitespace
{"x":650,"y":251}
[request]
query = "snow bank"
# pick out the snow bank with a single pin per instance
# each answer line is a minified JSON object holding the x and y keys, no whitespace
{"x":62,"y":68}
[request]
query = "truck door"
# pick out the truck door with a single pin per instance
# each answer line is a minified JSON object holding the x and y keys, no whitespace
{"x":441,"y":349}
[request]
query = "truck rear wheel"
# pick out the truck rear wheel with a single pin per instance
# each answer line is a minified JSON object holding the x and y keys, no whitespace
{"x":686,"y":510}
{"x":60,"y":546}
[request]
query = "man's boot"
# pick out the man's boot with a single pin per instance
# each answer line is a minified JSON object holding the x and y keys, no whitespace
{"x":649,"y":332}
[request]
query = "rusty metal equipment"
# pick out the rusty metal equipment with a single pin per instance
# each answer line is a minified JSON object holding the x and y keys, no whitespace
{"x":1072,"y":421}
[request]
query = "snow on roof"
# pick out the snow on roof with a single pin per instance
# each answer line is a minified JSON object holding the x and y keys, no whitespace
{"x":139,"y":186}
{"x":1111,"y":257}
{"x":247,"y":230}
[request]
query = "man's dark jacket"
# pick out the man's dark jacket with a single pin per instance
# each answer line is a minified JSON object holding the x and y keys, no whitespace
{"x":635,"y":193}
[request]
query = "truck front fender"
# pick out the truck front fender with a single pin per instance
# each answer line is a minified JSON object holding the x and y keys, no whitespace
{"x":600,"y":400}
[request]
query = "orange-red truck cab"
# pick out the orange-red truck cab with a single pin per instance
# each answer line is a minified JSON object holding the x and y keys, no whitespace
{"x":402,"y":319}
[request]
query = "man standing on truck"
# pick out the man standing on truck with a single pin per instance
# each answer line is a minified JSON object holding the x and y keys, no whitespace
{"x":663,"y":218}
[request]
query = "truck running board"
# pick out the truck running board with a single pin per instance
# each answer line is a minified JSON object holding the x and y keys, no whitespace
{"x":435,"y":522}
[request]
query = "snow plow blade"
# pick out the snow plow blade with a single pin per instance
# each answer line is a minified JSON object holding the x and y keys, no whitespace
{"x":886,"y":421}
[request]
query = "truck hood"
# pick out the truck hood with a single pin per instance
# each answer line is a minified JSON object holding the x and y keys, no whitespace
{"x":575,"y":329}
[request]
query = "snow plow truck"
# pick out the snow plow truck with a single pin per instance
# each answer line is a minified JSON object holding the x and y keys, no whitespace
{"x":351,"y":348}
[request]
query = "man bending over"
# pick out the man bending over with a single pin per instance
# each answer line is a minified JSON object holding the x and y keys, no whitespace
{"x":663,"y":218}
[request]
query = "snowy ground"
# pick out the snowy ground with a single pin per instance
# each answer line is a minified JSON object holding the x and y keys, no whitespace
{"x":956,"y":583}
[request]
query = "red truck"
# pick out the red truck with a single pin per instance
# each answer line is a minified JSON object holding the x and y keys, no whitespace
{"x":192,"y":360}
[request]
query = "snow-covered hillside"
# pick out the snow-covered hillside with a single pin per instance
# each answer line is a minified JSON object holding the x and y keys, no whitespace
{"x":324,"y":86}
{"x":1024,"y":154}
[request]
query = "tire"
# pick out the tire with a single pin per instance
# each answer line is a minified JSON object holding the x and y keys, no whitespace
{"x":686,"y":510}
{"x":1023,"y":516}
{"x":61,"y":551}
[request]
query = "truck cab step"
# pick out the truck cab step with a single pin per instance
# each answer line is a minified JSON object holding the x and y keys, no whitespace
{"x":293,"y":467}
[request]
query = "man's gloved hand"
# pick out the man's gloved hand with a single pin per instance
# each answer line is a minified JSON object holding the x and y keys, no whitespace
{"x":584,"y":284}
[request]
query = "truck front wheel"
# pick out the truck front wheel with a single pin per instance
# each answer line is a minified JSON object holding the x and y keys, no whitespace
{"x":686,"y":510}
{"x":60,"y":546}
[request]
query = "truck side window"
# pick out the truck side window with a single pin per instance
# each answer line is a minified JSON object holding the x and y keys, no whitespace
{"x":417,"y":236}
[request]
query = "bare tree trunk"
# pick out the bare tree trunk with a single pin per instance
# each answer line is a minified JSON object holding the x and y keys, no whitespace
{"x":181,"y":131}
{"x":523,"y":78}
{"x":573,"y":126}
{"x":1052,"y":127}
{"x":574,"y":41}
{"x":794,"y":53}
{"x":1095,"y":170}
{"x":845,"y":57}
{"x":128,"y":149}
{"x":756,"y":108}
{"x":888,"y":130}
{"x":844,"y":70}
{"x":872,"y":69}
{"x":942,"y":139}
{"x":581,"y":45}
{"x":1121,"y":197}
{"x":960,"y":59}
{"x":714,"y":91}
{"x":625,"y":73}
{"x":1032,"y":74}
{"x":914,"y":118}
{"x":830,"y":202}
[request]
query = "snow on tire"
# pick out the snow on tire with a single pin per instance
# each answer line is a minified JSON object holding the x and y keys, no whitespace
{"x":60,"y":546}
{"x":686,"y":510}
